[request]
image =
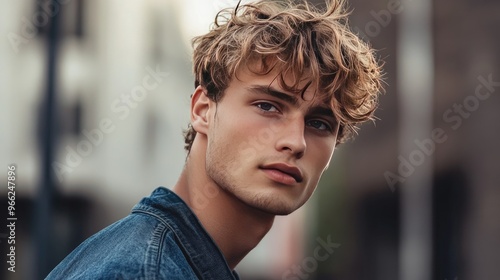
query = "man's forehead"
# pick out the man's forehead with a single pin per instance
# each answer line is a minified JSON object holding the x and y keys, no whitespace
{"x":280,"y":78}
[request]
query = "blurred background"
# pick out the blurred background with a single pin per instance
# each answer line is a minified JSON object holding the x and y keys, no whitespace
{"x":94,"y":96}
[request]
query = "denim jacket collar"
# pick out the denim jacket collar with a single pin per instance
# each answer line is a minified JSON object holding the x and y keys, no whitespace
{"x":199,"y":248}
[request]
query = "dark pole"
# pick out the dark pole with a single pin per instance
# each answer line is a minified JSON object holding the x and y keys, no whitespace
{"x":45,"y":196}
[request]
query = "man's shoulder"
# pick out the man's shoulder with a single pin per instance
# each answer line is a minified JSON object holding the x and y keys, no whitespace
{"x":139,"y":246}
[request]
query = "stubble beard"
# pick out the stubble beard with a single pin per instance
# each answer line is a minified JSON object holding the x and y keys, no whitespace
{"x":223,"y":171}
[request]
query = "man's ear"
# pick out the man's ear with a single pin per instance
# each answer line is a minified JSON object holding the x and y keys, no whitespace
{"x":200,"y":105}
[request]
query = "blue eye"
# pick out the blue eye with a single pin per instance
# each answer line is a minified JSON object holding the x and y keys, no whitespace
{"x":268,"y":107}
{"x":320,"y":125}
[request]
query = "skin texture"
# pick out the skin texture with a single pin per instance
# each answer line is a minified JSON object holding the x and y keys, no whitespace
{"x":236,"y":178}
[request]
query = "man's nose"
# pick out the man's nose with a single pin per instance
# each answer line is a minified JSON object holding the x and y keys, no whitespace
{"x":292,"y":138}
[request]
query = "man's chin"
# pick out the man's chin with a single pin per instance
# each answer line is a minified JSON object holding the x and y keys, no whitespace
{"x":271,"y":203}
{"x":275,"y":207}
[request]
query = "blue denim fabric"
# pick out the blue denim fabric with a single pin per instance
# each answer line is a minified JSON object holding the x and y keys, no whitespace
{"x":160,"y":239}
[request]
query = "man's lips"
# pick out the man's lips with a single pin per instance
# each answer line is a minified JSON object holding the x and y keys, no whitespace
{"x":285,"y":170}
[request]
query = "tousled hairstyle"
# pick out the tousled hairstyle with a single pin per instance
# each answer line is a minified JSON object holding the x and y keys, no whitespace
{"x":300,"y":41}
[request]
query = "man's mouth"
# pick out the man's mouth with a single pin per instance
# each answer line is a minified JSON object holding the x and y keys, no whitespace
{"x":283,"y":173}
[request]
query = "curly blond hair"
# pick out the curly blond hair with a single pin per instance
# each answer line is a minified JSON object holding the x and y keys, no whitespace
{"x":299,"y":40}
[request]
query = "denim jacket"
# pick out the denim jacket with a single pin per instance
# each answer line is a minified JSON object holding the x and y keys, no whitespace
{"x":160,"y":239}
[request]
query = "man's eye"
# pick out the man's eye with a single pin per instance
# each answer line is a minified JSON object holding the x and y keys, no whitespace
{"x":320,"y":125}
{"x":268,"y":107}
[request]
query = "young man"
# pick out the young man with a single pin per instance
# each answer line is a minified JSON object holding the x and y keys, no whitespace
{"x":278,"y":85}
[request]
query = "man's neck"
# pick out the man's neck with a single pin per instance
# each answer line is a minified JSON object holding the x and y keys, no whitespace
{"x":235,"y":227}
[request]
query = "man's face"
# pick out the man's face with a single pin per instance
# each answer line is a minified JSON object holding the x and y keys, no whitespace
{"x":269,"y":147}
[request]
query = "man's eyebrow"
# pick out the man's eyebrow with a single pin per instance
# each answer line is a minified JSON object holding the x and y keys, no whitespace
{"x":273,"y":92}
{"x":322,"y":111}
